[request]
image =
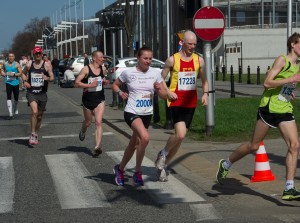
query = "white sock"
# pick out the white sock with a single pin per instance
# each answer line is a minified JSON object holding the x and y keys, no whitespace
{"x":289,"y":184}
{"x":9,"y":106}
{"x":227,"y":164}
{"x":164,"y":152}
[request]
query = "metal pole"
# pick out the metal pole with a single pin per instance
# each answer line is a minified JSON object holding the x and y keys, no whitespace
{"x":104,"y":41}
{"x":273,"y":13}
{"x":121,"y":43}
{"x":76,"y":28}
{"x":66,"y":43}
{"x":83,"y":39}
{"x":210,"y":117}
{"x":71,"y":51}
{"x":262,"y":14}
{"x":289,"y":19}
{"x":140,"y":24}
{"x":229,"y":15}
{"x":168,"y":28}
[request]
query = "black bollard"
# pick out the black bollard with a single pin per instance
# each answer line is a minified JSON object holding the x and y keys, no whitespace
{"x":240,"y":74}
{"x":248,"y":76}
{"x":217,"y":72}
{"x":224,"y":73}
{"x":232,"y":92}
{"x":258,"y":76}
{"x":156,"y":117}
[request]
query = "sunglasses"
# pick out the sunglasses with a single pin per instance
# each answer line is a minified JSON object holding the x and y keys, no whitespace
{"x":38,"y":53}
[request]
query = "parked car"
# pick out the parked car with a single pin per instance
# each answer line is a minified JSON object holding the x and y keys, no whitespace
{"x":77,"y":63}
{"x":63,"y":65}
{"x":127,"y":62}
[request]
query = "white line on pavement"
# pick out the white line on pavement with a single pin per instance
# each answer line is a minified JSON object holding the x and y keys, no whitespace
{"x":172,"y":191}
{"x":72,"y":183}
{"x":7,"y":184}
{"x":51,"y":137}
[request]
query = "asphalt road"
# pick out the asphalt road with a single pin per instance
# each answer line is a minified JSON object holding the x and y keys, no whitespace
{"x":59,"y":181}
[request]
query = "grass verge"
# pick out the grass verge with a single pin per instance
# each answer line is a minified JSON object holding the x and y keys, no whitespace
{"x":234,"y":120}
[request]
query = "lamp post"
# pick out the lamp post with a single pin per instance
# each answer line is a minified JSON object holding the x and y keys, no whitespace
{"x":69,"y":24}
{"x":86,"y":36}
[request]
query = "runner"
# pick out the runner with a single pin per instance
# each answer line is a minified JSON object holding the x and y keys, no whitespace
{"x":141,"y":82}
{"x":39,"y":73}
{"x":184,"y":68}
{"x":12,"y":73}
{"x":275,"y":110}
{"x":91,"y":79}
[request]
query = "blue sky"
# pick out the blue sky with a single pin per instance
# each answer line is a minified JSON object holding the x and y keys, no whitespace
{"x":15,"y":14}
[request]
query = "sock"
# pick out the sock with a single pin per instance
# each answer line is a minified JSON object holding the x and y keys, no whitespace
{"x":227,"y":164}
{"x":289,"y":184}
{"x":164,"y":152}
{"x":9,"y":106}
{"x":16,"y":107}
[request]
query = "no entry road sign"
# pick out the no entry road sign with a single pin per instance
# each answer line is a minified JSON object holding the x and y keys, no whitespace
{"x":209,"y":23}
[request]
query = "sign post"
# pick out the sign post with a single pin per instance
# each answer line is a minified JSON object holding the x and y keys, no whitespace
{"x":209,"y":25}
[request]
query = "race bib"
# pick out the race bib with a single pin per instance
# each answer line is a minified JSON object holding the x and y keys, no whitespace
{"x":37,"y":80}
{"x":286,"y":92}
{"x":99,"y":86}
{"x":186,"y":81}
{"x":9,"y":77}
{"x":143,"y":103}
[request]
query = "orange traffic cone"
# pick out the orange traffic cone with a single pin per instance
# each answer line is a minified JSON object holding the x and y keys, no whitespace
{"x":262,"y":170}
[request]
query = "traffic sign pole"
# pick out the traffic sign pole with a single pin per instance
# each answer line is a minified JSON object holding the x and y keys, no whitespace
{"x":209,"y":24}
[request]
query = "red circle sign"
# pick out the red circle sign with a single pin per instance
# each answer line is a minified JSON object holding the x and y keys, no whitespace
{"x":209,"y":23}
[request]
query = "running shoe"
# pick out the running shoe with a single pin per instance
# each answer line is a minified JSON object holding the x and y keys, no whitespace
{"x":81,"y":135}
{"x":97,"y":151}
{"x":33,"y":139}
{"x":160,"y":161}
{"x":291,"y":194}
{"x":162,"y":175}
{"x":119,"y":175}
{"x":222,"y":172}
{"x":137,"y":178}
{"x":16,"y":112}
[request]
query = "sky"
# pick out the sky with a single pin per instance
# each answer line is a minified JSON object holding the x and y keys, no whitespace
{"x":15,"y":14}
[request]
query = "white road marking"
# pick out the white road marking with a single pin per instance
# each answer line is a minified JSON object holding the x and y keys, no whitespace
{"x":204,"y":212}
{"x":74,"y":188}
{"x":172,"y":191}
{"x":52,"y":136}
{"x":7,"y":184}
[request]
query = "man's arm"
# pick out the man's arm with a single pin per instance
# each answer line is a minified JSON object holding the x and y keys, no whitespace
{"x":164,"y":73}
{"x":49,"y":69}
{"x":201,"y":75}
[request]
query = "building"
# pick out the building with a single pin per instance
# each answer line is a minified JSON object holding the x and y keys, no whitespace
{"x":255,"y":32}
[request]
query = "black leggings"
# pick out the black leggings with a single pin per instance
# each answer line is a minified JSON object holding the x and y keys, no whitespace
{"x":12,"y":89}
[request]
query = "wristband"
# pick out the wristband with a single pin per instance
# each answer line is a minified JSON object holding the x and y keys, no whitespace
{"x":118,"y":92}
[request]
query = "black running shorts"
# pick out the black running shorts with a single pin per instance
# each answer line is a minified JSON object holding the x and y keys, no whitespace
{"x":130,"y":117}
{"x":273,"y":119}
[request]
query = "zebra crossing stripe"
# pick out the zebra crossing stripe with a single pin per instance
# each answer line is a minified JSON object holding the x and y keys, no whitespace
{"x":169,"y":192}
{"x":72,"y":183}
{"x":7,"y":184}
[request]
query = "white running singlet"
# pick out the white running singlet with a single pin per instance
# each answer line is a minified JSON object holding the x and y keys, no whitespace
{"x":140,"y":89}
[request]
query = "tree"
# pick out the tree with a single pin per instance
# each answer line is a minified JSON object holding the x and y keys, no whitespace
{"x":24,"y":41}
